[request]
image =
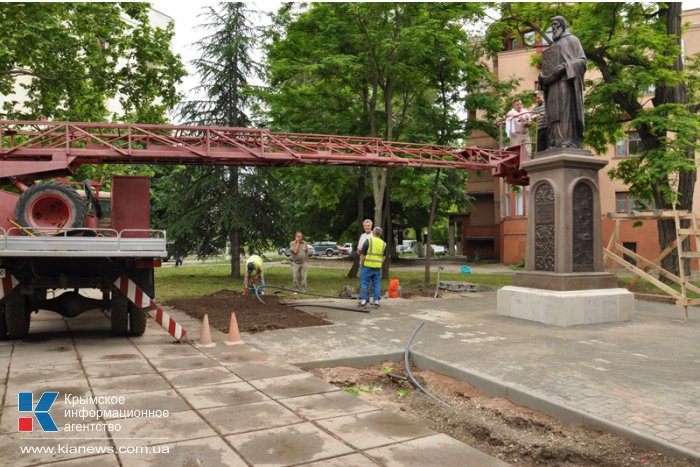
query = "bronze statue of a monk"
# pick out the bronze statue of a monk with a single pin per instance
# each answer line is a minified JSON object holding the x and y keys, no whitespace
{"x":563,"y":67}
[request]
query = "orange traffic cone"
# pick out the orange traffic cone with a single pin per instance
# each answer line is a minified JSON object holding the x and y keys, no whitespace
{"x":234,"y":337}
{"x":205,"y":335}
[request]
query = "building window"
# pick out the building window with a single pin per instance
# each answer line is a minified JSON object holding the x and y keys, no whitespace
{"x":629,"y":146}
{"x":520,"y":204}
{"x":513,"y":201}
{"x":625,"y":203}
{"x":506,"y":205}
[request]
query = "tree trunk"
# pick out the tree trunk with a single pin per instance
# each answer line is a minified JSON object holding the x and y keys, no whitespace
{"x":352,"y":274}
{"x":235,"y":232}
{"x":378,"y":188}
{"x":676,"y":94}
{"x":431,"y":219}
{"x":386,"y":222}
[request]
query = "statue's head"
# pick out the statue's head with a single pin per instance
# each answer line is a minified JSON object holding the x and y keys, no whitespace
{"x":558,"y":27}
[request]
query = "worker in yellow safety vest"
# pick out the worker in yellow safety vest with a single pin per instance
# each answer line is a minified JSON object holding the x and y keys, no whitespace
{"x":371,"y":259}
{"x":254,"y":269}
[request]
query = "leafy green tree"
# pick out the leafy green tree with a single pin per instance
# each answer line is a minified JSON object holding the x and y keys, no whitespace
{"x":210,"y":208}
{"x":74,"y":57}
{"x":370,"y":69}
{"x":646,"y":84}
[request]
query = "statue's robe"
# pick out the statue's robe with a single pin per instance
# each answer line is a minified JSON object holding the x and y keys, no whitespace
{"x":564,"y":97}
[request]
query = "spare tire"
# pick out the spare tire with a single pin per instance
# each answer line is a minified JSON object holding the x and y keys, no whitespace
{"x":48,"y":206}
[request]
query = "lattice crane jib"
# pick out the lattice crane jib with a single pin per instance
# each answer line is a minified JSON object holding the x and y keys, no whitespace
{"x":34,"y":150}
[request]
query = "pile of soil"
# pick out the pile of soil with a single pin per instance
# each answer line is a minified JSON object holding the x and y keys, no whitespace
{"x":251,"y":314}
{"x":514,"y":434}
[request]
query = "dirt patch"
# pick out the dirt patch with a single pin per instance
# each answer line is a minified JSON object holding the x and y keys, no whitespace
{"x":251,"y":315}
{"x":514,"y":434}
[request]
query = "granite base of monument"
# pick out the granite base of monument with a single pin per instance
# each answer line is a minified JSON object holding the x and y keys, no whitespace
{"x":564,"y":282}
{"x":566,"y":308}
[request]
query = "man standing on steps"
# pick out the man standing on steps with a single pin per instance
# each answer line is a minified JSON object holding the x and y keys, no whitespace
{"x":373,"y":252}
{"x":299,"y":250}
{"x":254,"y":270}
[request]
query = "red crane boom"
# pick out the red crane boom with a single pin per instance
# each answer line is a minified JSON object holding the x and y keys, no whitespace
{"x":32,"y":150}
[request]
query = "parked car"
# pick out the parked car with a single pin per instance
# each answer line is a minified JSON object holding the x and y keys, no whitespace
{"x":346,"y":249}
{"x":437,"y":249}
{"x":287,"y":252}
{"x":406,"y":246}
{"x":326,"y":248}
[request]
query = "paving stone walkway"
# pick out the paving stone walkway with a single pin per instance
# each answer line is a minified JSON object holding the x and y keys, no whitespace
{"x":228,"y":405}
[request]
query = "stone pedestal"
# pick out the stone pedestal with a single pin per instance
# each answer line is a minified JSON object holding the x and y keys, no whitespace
{"x":571,"y":308}
{"x":564,"y":254}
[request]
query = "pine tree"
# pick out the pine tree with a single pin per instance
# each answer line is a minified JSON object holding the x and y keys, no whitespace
{"x":209,"y":208}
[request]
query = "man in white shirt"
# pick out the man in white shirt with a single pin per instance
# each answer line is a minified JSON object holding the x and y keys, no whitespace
{"x":518,"y":125}
{"x":367,"y":225}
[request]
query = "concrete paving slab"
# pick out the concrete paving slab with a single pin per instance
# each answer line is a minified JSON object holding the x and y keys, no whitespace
{"x":162,"y":400}
{"x":352,"y":460}
{"x":183,"y":363}
{"x":209,"y":452}
{"x":128,"y":384}
{"x":99,"y":369}
{"x":200,"y":377}
{"x":55,"y":354}
{"x":374,"y":429}
{"x":438,"y":449}
{"x":233,"y":355}
{"x":293,"y":385}
{"x":6,"y":349}
{"x":250,"y":371}
{"x":179,"y":426}
{"x":287,"y":445}
{"x":249,"y":417}
{"x":77,"y":387}
{"x":20,"y":375}
{"x":105,"y":460}
{"x":328,"y":405}
{"x":221,"y":395}
{"x":168,"y":351}
{"x":4,"y":370}
{"x":108,"y":353}
{"x":63,"y":449}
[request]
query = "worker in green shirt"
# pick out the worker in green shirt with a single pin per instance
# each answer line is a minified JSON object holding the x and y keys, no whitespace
{"x":254,"y":270}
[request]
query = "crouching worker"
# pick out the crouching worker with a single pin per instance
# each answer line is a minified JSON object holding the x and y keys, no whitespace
{"x":253,"y":271}
{"x":373,"y":252}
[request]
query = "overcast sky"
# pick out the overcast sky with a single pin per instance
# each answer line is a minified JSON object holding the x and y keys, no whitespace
{"x":187,"y":32}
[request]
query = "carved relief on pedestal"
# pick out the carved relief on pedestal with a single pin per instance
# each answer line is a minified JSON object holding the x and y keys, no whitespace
{"x":544,"y":228}
{"x":582,"y":240}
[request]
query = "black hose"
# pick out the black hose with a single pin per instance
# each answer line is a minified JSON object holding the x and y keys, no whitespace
{"x":258,"y":295}
{"x":307,"y":293}
{"x":357,"y":310}
{"x":408,"y":368}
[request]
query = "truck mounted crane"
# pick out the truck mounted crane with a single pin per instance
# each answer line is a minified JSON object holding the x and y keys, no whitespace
{"x":54,"y":237}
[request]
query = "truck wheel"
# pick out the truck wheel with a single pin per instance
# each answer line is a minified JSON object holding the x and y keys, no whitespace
{"x":329,"y":253}
{"x":50,"y":205}
{"x":137,"y":320}
{"x":119,"y":313}
{"x":16,"y":316}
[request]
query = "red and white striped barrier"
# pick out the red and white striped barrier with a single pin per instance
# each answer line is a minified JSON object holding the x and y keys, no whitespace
{"x":139,"y":298}
{"x":8,"y":284}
